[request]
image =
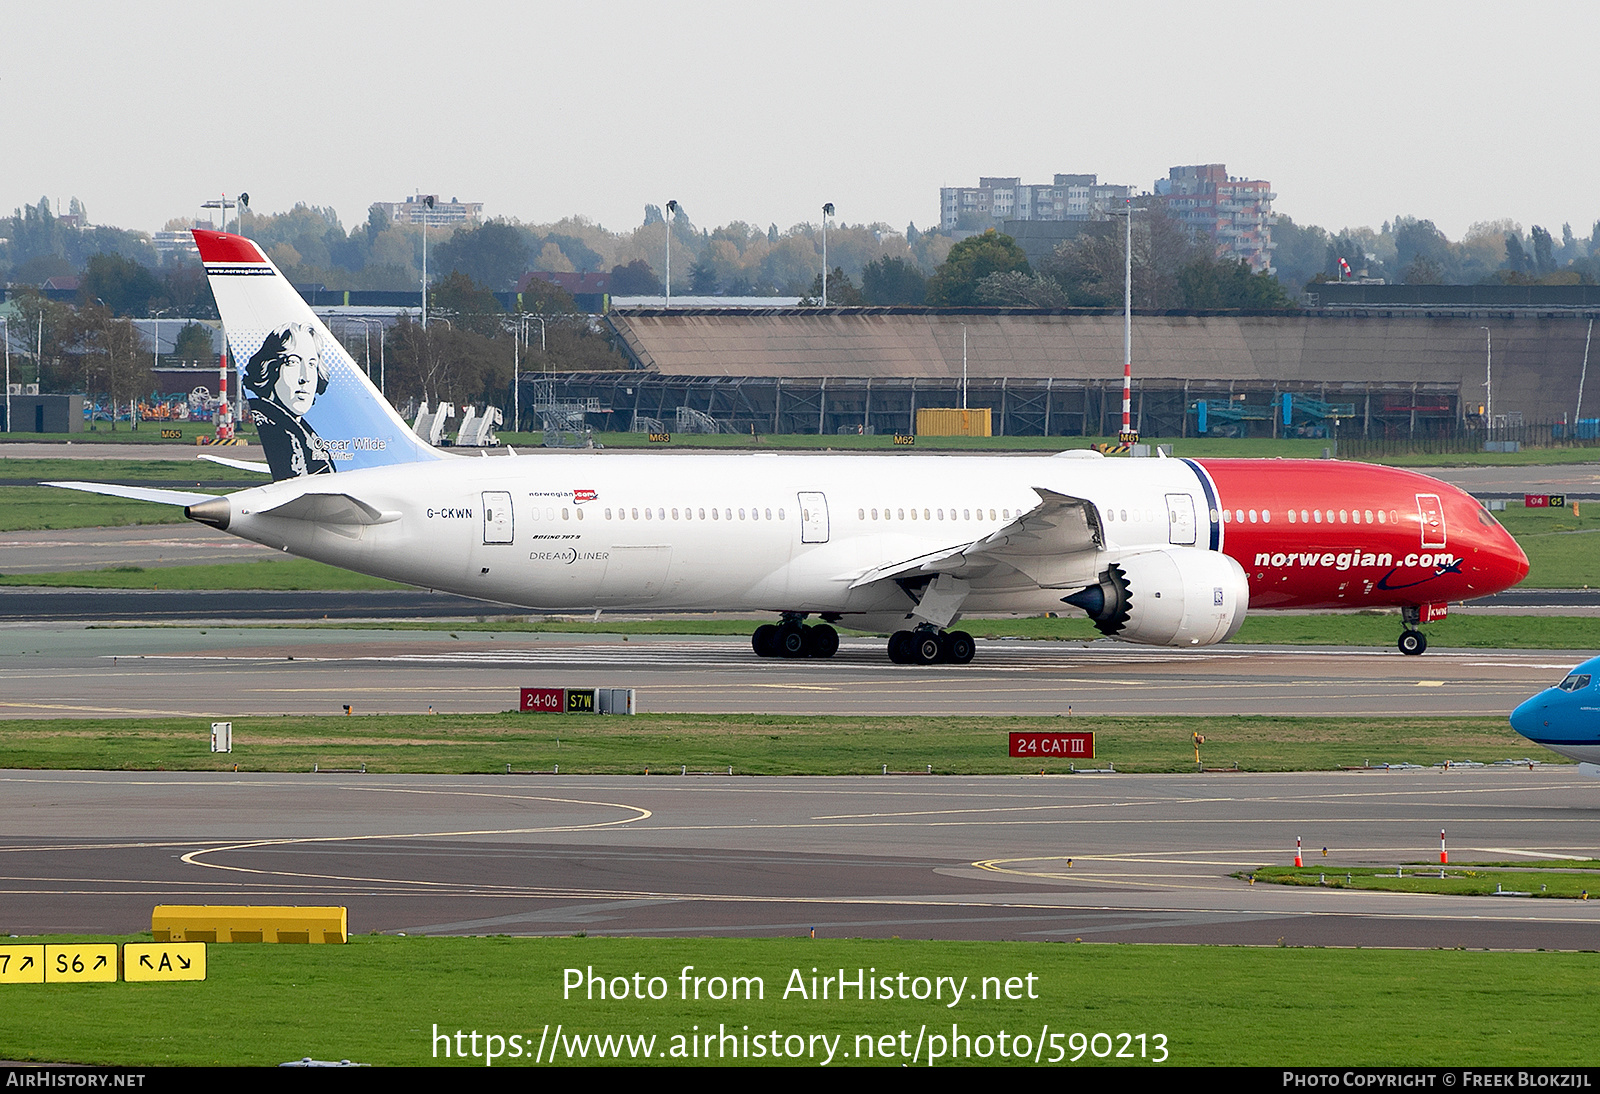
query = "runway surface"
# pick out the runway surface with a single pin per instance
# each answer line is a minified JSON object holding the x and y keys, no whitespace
{"x":48,"y":671}
{"x":1102,"y":858}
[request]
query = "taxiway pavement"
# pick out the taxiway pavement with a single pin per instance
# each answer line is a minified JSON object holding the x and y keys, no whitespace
{"x":201,"y":672}
{"x":1110,"y":858}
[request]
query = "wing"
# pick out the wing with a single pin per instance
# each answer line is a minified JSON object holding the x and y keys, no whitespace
{"x":1054,"y":545}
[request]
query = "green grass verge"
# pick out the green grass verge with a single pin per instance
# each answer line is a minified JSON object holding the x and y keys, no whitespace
{"x":34,"y":508}
{"x":751,"y":744}
{"x":400,"y":1001}
{"x":149,"y":432}
{"x":1573,"y":880}
{"x":122,"y":470}
{"x":285,"y":574}
{"x":1562,"y":545}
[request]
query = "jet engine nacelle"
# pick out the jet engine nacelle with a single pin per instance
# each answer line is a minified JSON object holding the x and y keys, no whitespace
{"x":1184,"y":596}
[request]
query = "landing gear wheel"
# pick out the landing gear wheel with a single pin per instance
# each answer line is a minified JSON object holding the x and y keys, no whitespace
{"x":925,"y":647}
{"x":823,"y":640}
{"x":1412,"y":643}
{"x":792,"y":641}
{"x":765,"y":640}
{"x":900,"y":647}
{"x":959,"y":647}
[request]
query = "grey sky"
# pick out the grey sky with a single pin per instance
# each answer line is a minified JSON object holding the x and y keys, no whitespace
{"x":1355,"y":111}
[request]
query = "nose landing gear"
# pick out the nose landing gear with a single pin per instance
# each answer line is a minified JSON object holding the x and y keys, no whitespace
{"x":1412,"y":641}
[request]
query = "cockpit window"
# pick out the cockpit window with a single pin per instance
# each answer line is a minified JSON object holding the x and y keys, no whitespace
{"x":1486,"y":518}
{"x":1575,"y":682}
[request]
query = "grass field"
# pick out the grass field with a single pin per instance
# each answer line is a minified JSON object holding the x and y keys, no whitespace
{"x":32,"y":508}
{"x":277,"y":574}
{"x":400,"y":1001}
{"x":750,"y":744}
{"x":1572,"y":880}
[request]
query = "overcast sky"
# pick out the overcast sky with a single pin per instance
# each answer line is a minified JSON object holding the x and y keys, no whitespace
{"x":1355,"y":111}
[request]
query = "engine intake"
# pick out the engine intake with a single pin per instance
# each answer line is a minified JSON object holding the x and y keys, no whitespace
{"x":1184,"y":596}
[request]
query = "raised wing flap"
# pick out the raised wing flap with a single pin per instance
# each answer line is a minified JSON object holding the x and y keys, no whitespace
{"x":329,"y":509}
{"x":1053,"y":544}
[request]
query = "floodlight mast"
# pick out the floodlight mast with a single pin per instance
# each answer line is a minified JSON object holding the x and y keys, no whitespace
{"x":827,"y":211}
{"x":672,"y":209}
{"x":427,"y":207}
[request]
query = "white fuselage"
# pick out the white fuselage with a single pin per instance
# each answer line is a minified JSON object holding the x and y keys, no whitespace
{"x":704,"y":532}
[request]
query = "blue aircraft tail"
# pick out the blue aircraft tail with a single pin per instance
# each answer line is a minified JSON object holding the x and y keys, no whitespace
{"x":315,"y":411}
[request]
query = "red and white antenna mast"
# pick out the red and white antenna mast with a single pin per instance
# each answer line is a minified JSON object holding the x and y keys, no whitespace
{"x":1129,"y":435}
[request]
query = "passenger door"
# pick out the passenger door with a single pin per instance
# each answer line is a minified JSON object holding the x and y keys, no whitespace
{"x":497,"y":519}
{"x":1180,"y":519}
{"x":813,"y":517}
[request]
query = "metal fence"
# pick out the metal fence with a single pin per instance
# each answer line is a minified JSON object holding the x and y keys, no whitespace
{"x":1459,"y":438}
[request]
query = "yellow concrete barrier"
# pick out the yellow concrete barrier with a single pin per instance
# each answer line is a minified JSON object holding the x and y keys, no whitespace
{"x":247,"y":923}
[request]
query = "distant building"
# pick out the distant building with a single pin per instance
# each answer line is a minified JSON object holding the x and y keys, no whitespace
{"x":1235,"y":213}
{"x":168,"y":244}
{"x":414,"y":209}
{"x":590,"y":291}
{"x":1066,"y":197}
{"x":574,"y":283}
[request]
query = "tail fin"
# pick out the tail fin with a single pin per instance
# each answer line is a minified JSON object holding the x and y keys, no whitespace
{"x":314,"y":409}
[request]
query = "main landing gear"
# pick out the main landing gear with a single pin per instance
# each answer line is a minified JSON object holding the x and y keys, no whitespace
{"x":792,"y":638}
{"x":926,"y":646}
{"x":1412,"y":641}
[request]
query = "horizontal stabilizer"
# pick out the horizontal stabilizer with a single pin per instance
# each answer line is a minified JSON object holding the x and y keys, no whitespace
{"x":136,"y":493}
{"x":239,"y":465}
{"x":329,"y":509}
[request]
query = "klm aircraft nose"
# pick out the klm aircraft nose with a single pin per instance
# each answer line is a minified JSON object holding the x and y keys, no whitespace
{"x":1528,"y":718}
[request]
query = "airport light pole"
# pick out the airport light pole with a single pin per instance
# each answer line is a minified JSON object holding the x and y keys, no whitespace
{"x":6,"y":326}
{"x":155,"y":337}
{"x":672,"y":209}
{"x":366,"y":338}
{"x":223,"y":204}
{"x":827,"y":211}
{"x":427,"y":207}
{"x":1488,"y":377}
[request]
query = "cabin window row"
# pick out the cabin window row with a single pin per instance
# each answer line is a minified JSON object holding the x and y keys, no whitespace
{"x":1310,"y":516}
{"x":688,"y":513}
{"x":931,"y":514}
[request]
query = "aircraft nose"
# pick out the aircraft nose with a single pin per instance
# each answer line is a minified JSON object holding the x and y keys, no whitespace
{"x":1498,"y":558}
{"x":1528,"y":718}
{"x":1512,"y":558}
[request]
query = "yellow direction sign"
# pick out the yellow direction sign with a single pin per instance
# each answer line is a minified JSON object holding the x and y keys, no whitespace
{"x":21,"y":964}
{"x":80,"y":963}
{"x":163,"y":961}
